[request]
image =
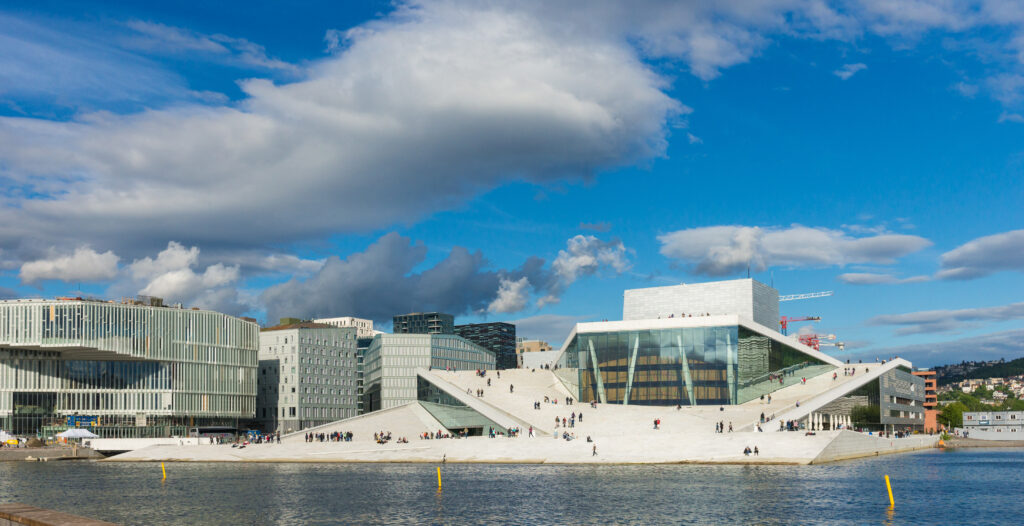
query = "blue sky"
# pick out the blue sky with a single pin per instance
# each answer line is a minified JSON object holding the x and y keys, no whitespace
{"x":523,"y":161}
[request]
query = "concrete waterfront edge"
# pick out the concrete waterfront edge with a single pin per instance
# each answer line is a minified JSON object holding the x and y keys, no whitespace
{"x":23,"y":514}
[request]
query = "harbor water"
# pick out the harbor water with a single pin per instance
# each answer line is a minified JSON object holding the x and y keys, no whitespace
{"x":966,"y":486}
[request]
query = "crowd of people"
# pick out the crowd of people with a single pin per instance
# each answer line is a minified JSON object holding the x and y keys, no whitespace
{"x":571,"y":421}
{"x":336,"y":436}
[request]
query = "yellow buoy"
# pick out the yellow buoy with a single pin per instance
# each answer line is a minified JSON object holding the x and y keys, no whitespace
{"x":162,"y":468}
{"x":438,"y":479}
{"x":888,"y":486}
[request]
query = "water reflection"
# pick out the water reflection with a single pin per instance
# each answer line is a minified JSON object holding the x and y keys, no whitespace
{"x":982,"y":485}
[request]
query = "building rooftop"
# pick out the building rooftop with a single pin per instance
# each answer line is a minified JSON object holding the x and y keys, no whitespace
{"x":300,"y":325}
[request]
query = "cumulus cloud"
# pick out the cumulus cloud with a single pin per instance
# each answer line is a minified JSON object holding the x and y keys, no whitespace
{"x":172,"y":275}
{"x":382,"y":281}
{"x":870,"y":278}
{"x":85,"y":264}
{"x":512,"y":295}
{"x":935,"y":321}
{"x":473,"y":96}
{"x":984,"y":255}
{"x":728,"y":249}
{"x":584,"y":255}
{"x":849,"y":70}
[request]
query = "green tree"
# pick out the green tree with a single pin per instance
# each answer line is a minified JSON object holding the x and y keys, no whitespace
{"x":862,"y":415}
{"x":982,"y":393}
{"x":953,"y":415}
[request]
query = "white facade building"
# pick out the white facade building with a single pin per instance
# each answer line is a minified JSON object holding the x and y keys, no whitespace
{"x":364,"y":328}
{"x":307,"y":376}
{"x":744,"y":297}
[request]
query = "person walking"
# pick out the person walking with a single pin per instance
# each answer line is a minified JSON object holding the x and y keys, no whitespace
{"x":593,"y":451}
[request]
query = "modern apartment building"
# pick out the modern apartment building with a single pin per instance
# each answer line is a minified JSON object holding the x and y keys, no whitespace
{"x":307,"y":376}
{"x":497,"y":337}
{"x":424,"y":323}
{"x":123,"y":369}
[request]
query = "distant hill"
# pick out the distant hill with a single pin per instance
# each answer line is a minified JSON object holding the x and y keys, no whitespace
{"x":956,"y":372}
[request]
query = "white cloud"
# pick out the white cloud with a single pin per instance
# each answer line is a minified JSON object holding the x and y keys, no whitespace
{"x":965,"y":89}
{"x":160,"y":38}
{"x":694,"y":139}
{"x":171,"y":276}
{"x":1011,"y":117}
{"x":849,"y":70}
{"x":984,"y":255}
{"x":473,"y":97}
{"x":85,"y":264}
{"x":723,"y":250}
{"x":512,"y":296}
{"x":869,"y":278}
{"x":585,"y":255}
{"x":934,"y":321}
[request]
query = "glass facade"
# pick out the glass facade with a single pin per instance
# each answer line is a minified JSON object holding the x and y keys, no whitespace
{"x":689,"y":366}
{"x":139,"y":370}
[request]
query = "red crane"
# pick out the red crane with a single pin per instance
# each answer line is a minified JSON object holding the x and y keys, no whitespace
{"x":784,"y":322}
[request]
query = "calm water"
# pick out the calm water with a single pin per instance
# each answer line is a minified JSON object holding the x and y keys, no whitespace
{"x":933,"y":487}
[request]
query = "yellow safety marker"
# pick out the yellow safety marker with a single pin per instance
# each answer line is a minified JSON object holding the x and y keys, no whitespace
{"x":438,"y":479}
{"x":162,"y":468}
{"x":888,"y":486}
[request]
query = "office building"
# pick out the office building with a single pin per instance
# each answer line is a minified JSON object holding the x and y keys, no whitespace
{"x":364,"y":328}
{"x":994,"y":425}
{"x":497,"y":337}
{"x":125,"y":369}
{"x":424,"y":323}
{"x":390,"y":363}
{"x":307,"y":376}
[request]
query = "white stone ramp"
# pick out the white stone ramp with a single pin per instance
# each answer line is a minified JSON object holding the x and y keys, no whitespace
{"x":409,"y":421}
{"x":865,"y":373}
{"x":489,"y":411}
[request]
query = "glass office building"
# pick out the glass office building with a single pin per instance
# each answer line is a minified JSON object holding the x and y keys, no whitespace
{"x":123,"y":369}
{"x":497,"y":337}
{"x":721,"y":362}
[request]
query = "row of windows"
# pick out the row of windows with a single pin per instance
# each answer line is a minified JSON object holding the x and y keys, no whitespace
{"x":145,"y":332}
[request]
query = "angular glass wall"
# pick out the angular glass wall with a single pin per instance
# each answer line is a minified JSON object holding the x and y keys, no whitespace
{"x":658,"y":367}
{"x":454,"y":415}
{"x":767,"y":365}
{"x":689,"y":366}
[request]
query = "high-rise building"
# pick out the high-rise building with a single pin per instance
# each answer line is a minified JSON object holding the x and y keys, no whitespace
{"x":391,"y":361}
{"x":931,"y":400}
{"x":424,"y":323}
{"x":307,"y":376}
{"x":364,"y":328}
{"x":123,"y":369}
{"x":497,"y":337}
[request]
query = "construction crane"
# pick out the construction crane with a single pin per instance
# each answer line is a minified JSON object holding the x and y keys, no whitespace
{"x":807,"y":296}
{"x":784,"y":322}
{"x":840,"y":346}
{"x":815,"y":341}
